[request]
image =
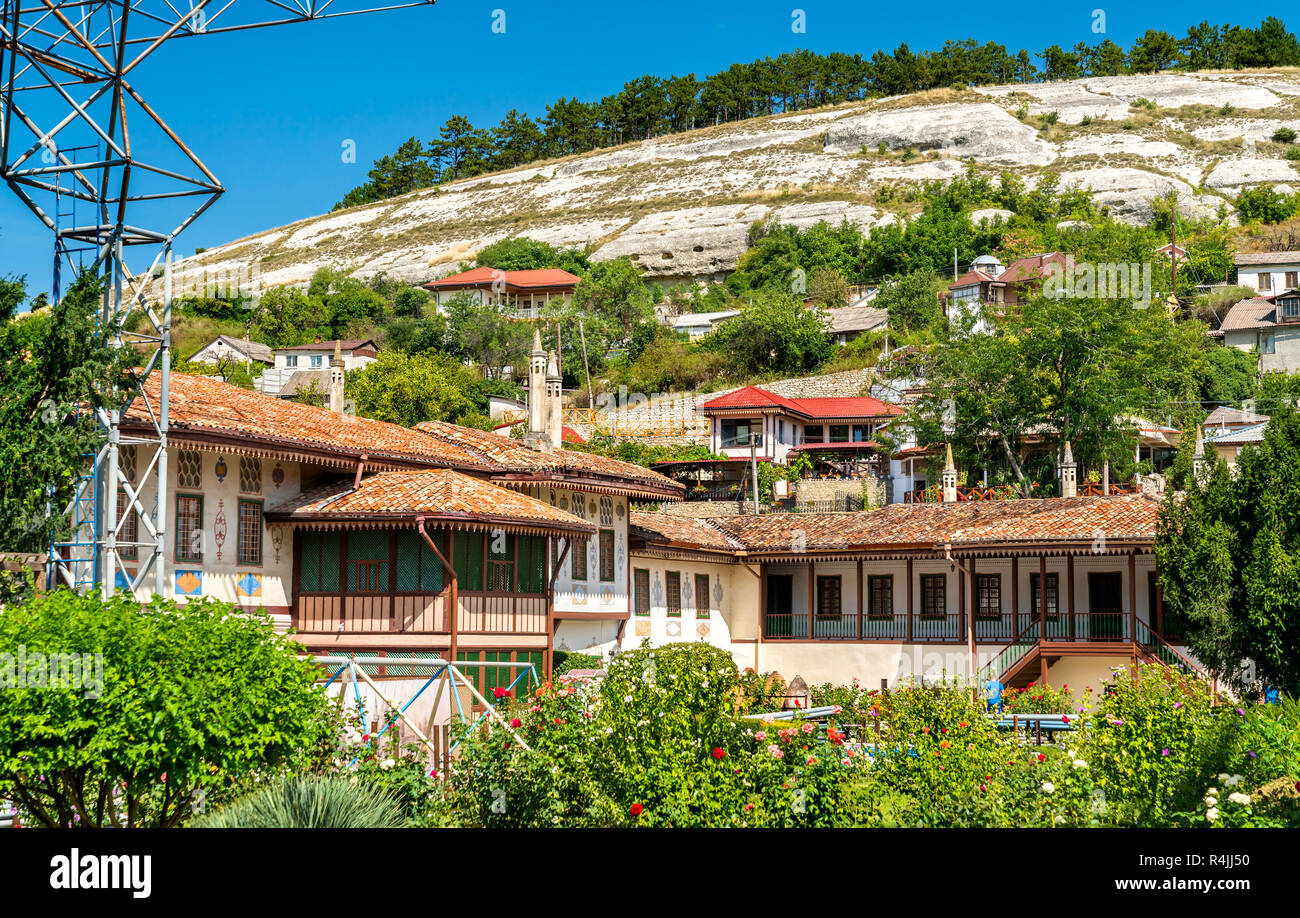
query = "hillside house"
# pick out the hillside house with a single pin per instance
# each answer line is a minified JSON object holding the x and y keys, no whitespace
{"x":852,"y":321}
{"x":1271,"y":326}
{"x":1268,"y":273}
{"x":696,"y":325}
{"x":527,"y":292}
{"x":226,"y":349}
{"x":990,"y":283}
{"x":312,"y":360}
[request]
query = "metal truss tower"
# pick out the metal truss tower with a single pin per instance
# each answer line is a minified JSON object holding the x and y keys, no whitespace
{"x":75,"y":130}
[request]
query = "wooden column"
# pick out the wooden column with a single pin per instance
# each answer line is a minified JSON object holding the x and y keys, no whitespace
{"x":1132,"y":597}
{"x":762,"y":603}
{"x":1160,"y":610}
{"x":812,"y":595}
{"x":961,"y":600}
{"x":909,"y":599}
{"x":860,"y":609}
{"x":1042,"y":597}
{"x":1069,"y":592}
{"x":1015,"y":596}
{"x":970,"y":619}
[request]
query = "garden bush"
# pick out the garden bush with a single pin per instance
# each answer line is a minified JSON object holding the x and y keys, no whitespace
{"x":302,"y":802}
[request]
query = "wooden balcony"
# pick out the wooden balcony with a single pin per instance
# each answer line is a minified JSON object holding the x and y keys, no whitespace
{"x":480,"y":613}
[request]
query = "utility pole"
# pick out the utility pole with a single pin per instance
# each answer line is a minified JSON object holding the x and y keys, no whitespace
{"x":753,"y":467}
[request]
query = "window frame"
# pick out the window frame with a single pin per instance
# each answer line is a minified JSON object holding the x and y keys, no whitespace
{"x":128,"y":527}
{"x":177,"y":554}
{"x":671,"y":577}
{"x":240,"y":560}
{"x":873,"y":582}
{"x":640,"y":592}
{"x":603,"y":556}
{"x":927,"y":580}
{"x":988,"y":597}
{"x":1053,"y":595}
{"x":825,"y":581}
{"x":702,"y":609}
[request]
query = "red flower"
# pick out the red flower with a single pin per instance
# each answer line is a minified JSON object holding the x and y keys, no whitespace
{"x":515,"y":722}
{"x":1041,"y":757}
{"x":500,"y":693}
{"x":719,"y":753}
{"x":634,"y":809}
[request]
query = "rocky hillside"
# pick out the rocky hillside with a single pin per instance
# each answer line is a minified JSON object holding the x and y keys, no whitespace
{"x":681,"y":206}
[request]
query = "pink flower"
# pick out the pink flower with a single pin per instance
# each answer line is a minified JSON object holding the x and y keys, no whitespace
{"x":775,"y":752}
{"x":760,"y":736}
{"x":812,"y":760}
{"x":808,"y":728}
{"x":515,"y":722}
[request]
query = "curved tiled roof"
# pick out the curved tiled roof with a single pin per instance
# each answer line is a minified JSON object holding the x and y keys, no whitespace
{"x":200,"y":405}
{"x":437,"y":494}
{"x":830,"y":407}
{"x":669,"y":530}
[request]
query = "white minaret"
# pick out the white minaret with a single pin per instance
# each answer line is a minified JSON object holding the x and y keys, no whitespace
{"x":1068,"y":473}
{"x":336,"y":378}
{"x":554,"y":406}
{"x":1200,"y":467}
{"x":537,"y":436}
{"x":949,"y":479}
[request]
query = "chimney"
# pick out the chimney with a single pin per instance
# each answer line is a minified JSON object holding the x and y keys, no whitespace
{"x":537,"y":437}
{"x":336,"y":379}
{"x":1068,"y":474}
{"x":949,"y":479}
{"x":554,"y":402}
{"x":1200,"y":468}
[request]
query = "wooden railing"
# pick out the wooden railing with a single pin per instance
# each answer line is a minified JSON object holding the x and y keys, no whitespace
{"x":949,"y":628}
{"x":419,"y":613}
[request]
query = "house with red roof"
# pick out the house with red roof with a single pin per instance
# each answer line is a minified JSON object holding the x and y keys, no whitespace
{"x":526,"y":291}
{"x":990,"y":283}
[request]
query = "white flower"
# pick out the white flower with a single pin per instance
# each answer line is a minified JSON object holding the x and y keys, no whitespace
{"x":1211,"y":800}
{"x":1212,"y":814}
{"x":1239,"y":797}
{"x":1080,"y":763}
{"x":1213,"y":790}
{"x":1231,"y":780}
{"x":387,"y":764}
{"x":1060,"y":819}
{"x":1048,"y":787}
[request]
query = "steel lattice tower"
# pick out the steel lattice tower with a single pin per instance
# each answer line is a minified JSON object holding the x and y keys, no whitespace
{"x":76,"y":132}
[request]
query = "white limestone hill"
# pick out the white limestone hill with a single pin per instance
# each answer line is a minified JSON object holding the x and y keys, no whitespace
{"x":681,"y":206}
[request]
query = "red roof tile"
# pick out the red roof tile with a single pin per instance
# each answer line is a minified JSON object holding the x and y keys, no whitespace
{"x":667,"y":530}
{"x":477,"y":277}
{"x":440,"y":495}
{"x":834,"y":407}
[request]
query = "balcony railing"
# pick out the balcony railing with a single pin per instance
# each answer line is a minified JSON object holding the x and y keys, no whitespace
{"x":949,"y":628}
{"x":497,"y":612}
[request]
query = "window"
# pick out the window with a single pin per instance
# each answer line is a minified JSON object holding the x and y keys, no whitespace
{"x":189,"y":469}
{"x":1290,"y":307}
{"x":291,"y":360}
{"x":317,"y":361}
{"x":1267,"y":343}
{"x":607,"y":555}
{"x":738,"y":433}
{"x":368,"y":561}
{"x":249,"y":536}
{"x":469,"y":560}
{"x":250,"y":475}
{"x":988,"y":595}
{"x":418,"y":567}
{"x":126,"y":462}
{"x":934,"y":596}
{"x":674,"y":582}
{"x":500,"y":562}
{"x":530,"y":564}
{"x":189,"y":527}
{"x":1292,"y":279}
{"x":839,"y":433}
{"x":861,"y":433}
{"x":318,"y":569}
{"x":812,"y":433}
{"x":1265,"y":281}
{"x":880,"y":596}
{"x":828,"y":597}
{"x":579,"y":560}
{"x":128,"y":528}
{"x":701,"y":595}
{"x":641,"y":591}
{"x":1034,"y":592}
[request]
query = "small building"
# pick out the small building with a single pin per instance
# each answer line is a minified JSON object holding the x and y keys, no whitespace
{"x":989,"y":283}
{"x":316,"y":356}
{"x":1224,"y":419}
{"x":1229,"y":443}
{"x":528,"y":292}
{"x":1268,"y":325}
{"x":698,"y":324}
{"x":1268,"y":272}
{"x":225,"y":349}
{"x":852,"y":321}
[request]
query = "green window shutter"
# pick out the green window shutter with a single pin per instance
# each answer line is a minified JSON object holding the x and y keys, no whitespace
{"x":329,"y":562}
{"x":430,"y":565}
{"x":368,"y":545}
{"x":309,"y":569}
{"x":408,"y":561}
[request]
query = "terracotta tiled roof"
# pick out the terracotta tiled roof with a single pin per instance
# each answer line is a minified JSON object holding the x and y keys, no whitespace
{"x":1032,"y":267}
{"x":345,"y":344}
{"x":1258,"y":312}
{"x":510,"y":457}
{"x":475,"y":277}
{"x":670,"y":531}
{"x":843,"y":407}
{"x":1268,"y":258}
{"x":439,"y":494}
{"x":206,"y":406}
{"x":970,"y":278}
{"x":966,"y":523}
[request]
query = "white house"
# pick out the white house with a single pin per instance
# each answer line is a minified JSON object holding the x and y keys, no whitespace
{"x":1268,"y":273}
{"x":1269,"y":325}
{"x":698,"y":324}
{"x":224,"y":348}
{"x":356,"y":353}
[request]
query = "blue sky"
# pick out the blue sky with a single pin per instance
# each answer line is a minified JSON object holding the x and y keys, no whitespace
{"x":268,"y":110}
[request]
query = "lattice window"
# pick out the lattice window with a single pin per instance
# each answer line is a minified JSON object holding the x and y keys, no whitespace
{"x":829,"y":597}
{"x":606,"y":511}
{"x":189,"y":527}
{"x":701,"y":595}
{"x":580,"y":506}
{"x":674,"y":582}
{"x":249,"y":535}
{"x":250,"y":475}
{"x":578,"y":562}
{"x":126,"y":456}
{"x":934,"y":596}
{"x":129,"y":528}
{"x":641,"y":591}
{"x":189,"y":469}
{"x":319,"y":570}
{"x":418,"y":567}
{"x":988,"y":595}
{"x":1053,"y":603}
{"x":367,"y":561}
{"x":607,"y":555}
{"x":880,"y":596}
